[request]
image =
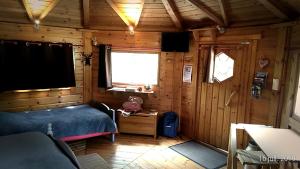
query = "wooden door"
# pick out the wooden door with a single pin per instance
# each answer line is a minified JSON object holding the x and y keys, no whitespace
{"x":213,"y":117}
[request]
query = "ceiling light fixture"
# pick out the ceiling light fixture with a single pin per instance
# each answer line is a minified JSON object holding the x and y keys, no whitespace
{"x":36,"y":24}
{"x":37,"y":21}
{"x":131,"y":30}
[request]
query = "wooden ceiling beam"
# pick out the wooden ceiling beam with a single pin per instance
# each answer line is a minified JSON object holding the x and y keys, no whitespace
{"x":28,"y":9}
{"x":48,"y":9}
{"x":274,"y":9}
{"x":207,"y":11}
{"x":86,"y":12}
{"x":116,"y":9}
{"x":173,"y":12}
{"x":223,"y":12}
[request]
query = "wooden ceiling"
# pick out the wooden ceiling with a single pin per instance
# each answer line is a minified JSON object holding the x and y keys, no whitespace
{"x":149,"y":15}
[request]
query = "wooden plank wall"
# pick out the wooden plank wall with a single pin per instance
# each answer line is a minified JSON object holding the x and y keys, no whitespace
{"x":295,"y":37}
{"x":167,"y":95}
{"x":170,"y":95}
{"x":293,"y":52}
{"x":173,"y":95}
{"x":18,"y":101}
{"x":255,"y":110}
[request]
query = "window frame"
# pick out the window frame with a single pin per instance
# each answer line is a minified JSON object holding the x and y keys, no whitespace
{"x":215,"y":79}
{"x":212,"y":66}
{"x":124,"y":85}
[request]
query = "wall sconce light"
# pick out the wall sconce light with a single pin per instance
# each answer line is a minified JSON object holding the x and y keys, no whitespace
{"x":36,"y":24}
{"x":131,"y":30}
{"x":94,"y":41}
{"x":86,"y":58}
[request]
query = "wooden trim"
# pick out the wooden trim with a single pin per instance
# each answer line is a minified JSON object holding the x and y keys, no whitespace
{"x":195,"y":79}
{"x":223,"y":12}
{"x":289,"y":91}
{"x":196,"y":35}
{"x":207,"y":11}
{"x":255,"y":23}
{"x":286,"y":24}
{"x":253,"y":54}
{"x":274,"y":9}
{"x":27,"y":8}
{"x":87,"y":69}
{"x":116,"y":9}
{"x":86,"y":12}
{"x":278,"y":74}
{"x":230,"y":38}
{"x":48,"y":9}
{"x":173,"y":12}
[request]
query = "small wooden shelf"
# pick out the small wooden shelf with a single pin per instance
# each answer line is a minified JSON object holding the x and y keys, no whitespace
{"x":119,"y":89}
{"x":140,"y":123}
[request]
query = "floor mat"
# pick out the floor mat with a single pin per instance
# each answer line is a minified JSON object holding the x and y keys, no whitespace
{"x":201,"y":154}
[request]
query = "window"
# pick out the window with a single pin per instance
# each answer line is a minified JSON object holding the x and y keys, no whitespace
{"x":134,"y":68}
{"x":221,"y":67}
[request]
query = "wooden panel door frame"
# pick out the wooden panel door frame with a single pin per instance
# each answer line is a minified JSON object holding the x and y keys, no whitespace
{"x":293,"y":70}
{"x":250,"y":54}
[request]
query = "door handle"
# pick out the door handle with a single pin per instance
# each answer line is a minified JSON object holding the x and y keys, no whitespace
{"x":230,"y":98}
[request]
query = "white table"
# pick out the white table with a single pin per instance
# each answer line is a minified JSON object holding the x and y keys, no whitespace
{"x":279,"y":144}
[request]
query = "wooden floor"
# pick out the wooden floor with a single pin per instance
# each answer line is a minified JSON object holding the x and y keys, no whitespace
{"x":143,"y":152}
{"x":135,"y":151}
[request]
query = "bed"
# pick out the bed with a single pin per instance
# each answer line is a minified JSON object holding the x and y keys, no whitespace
{"x":67,"y":124}
{"x":35,"y":150}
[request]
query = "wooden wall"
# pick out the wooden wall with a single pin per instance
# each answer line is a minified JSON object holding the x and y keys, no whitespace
{"x":293,"y":53}
{"x":167,"y":95}
{"x":173,"y":95}
{"x":17,"y":101}
{"x":170,"y":94}
{"x":209,"y":119}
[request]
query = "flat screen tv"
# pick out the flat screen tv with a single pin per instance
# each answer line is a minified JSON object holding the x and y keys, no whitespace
{"x":35,"y":65}
{"x":175,"y":41}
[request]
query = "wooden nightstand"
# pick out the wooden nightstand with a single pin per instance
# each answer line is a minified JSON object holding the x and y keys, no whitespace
{"x":139,"y":123}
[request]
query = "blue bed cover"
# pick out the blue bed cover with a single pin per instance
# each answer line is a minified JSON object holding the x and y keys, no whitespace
{"x":68,"y":121}
{"x":35,"y":150}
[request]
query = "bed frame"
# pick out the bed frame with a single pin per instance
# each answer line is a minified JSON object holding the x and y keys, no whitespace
{"x":100,"y":106}
{"x":110,"y":112}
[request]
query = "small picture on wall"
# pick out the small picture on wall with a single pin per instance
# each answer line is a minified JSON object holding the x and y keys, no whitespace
{"x":187,"y":74}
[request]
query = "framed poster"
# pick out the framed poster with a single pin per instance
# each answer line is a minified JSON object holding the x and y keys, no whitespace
{"x":187,"y":74}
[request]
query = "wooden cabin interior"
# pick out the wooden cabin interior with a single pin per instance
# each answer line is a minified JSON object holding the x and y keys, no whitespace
{"x":229,"y":69}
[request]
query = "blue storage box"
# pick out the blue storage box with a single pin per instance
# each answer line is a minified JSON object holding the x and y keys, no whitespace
{"x":168,"y":124}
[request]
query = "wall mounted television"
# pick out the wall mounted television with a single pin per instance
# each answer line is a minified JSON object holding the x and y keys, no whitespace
{"x":35,"y":65}
{"x":175,"y":41}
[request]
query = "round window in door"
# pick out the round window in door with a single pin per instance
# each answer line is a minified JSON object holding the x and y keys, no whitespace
{"x":223,"y":67}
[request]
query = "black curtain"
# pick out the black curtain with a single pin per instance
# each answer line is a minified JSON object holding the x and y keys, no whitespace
{"x":35,"y":65}
{"x":104,"y":72}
